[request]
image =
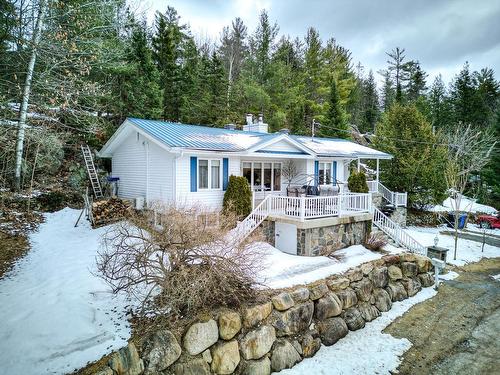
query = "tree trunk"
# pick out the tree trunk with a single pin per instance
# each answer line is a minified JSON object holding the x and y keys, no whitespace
{"x":23,"y":111}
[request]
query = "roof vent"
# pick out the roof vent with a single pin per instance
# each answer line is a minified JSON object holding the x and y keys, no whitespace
{"x":284,"y":131}
{"x":230,"y":126}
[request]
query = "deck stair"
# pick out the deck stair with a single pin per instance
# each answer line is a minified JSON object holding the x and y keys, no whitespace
{"x":397,"y":233}
{"x":253,"y":220}
{"x":91,"y":171}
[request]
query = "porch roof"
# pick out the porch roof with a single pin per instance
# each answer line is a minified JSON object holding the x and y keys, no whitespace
{"x":196,"y":137}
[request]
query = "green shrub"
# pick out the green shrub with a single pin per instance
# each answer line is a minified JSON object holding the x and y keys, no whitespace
{"x":357,"y":182}
{"x":238,"y":196}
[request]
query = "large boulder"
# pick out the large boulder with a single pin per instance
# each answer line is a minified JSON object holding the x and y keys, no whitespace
{"x":409,"y":269}
{"x":426,"y":279}
{"x":348,"y":297}
{"x":424,"y":264}
{"x":300,"y":295}
{"x":382,"y":300}
{"x":257,"y":343}
{"x":354,"y":319}
{"x":367,"y":268}
{"x":229,"y":324}
{"x":396,"y":291}
{"x":126,"y":361}
{"x":159,"y":351}
{"x":310,"y":345}
{"x":258,"y":367}
{"x":412,"y":286}
{"x":256,"y":314}
{"x":327,"y":306}
{"x":337,"y":284}
{"x":332,"y":330}
{"x":196,"y":366}
{"x":355,"y":275}
{"x":391,"y":259}
{"x":379,"y":277}
{"x":282,"y":301}
{"x":225,"y":357}
{"x":317,"y":291}
{"x":368,"y":311}
{"x":363,"y":289}
{"x":293,"y":320}
{"x":394,"y":272}
{"x":200,"y":336}
{"x":284,"y":355}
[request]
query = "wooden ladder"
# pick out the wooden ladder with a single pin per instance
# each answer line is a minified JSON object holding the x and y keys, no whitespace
{"x":91,"y":170}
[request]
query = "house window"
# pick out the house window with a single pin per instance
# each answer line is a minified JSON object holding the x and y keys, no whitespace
{"x":209,"y":174}
{"x":325,"y":173}
{"x":215,"y":176}
{"x":262,"y":176}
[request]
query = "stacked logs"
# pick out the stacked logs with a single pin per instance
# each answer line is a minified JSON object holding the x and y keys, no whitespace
{"x":109,"y":211}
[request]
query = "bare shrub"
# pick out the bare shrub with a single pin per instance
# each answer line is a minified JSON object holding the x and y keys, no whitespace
{"x":376,"y":242}
{"x":180,"y":265}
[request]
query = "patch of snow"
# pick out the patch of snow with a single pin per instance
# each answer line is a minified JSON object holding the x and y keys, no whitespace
{"x":467,"y":252}
{"x":56,"y":316}
{"x":477,"y":229}
{"x":365,"y":351}
{"x":338,"y":147}
{"x":448,"y":276}
{"x":496,"y":277}
{"x":281,"y":270}
{"x":465,"y":204}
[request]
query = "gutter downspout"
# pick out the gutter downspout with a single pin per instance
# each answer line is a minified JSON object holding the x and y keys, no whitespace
{"x":179,"y":155}
{"x":146,"y":145}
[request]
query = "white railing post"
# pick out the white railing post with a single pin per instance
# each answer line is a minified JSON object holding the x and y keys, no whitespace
{"x":341,"y":198}
{"x":302,"y":208}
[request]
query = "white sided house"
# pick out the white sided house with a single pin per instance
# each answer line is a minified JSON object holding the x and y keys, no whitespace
{"x":299,"y":183}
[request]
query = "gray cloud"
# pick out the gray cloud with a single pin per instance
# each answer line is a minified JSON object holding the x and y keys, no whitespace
{"x":442,"y":35}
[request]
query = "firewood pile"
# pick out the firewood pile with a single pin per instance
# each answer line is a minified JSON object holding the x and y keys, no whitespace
{"x":109,"y":211}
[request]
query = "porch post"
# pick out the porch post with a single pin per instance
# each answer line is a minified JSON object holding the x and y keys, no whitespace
{"x":302,"y":208}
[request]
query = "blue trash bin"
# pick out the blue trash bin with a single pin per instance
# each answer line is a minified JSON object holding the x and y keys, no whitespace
{"x":462,"y":218}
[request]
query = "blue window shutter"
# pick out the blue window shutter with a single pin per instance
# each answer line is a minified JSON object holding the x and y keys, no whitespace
{"x":225,"y":172}
{"x":194,"y":165}
{"x":316,"y":173}
{"x":334,"y":172}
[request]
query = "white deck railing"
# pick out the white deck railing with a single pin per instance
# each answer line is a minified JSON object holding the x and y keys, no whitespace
{"x":395,"y":198}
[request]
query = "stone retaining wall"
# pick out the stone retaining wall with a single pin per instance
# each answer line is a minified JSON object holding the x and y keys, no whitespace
{"x":275,"y":335}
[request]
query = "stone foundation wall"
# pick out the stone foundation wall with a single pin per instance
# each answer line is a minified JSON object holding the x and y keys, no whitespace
{"x":289,"y":327}
{"x":317,"y":241}
{"x":399,"y":216}
{"x":268,"y":230}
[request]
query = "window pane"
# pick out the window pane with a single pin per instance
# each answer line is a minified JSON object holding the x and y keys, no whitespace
{"x":321,"y":174}
{"x":328,"y":173}
{"x":277,"y":177}
{"x":247,"y":172}
{"x":203,"y":174}
{"x":267,"y":176}
{"x":215,"y":176}
{"x":257,"y":176}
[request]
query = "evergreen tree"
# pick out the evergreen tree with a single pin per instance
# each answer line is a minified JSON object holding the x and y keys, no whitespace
{"x":463,"y":97}
{"x":439,"y":105}
{"x":262,"y":45}
{"x":167,"y":51}
{"x":418,"y":161}
{"x":416,"y":81}
{"x":490,"y":187}
{"x":388,"y":92}
{"x":399,"y":69}
{"x":336,"y":118}
{"x":371,"y":110}
{"x":487,"y":97}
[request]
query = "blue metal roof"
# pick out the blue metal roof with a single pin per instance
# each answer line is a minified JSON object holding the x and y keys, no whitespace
{"x":201,"y":137}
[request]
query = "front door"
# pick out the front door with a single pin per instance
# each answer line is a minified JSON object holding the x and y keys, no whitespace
{"x":285,"y":238}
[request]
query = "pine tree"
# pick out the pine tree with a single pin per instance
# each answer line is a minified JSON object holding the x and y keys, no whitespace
{"x":336,"y":118}
{"x":463,"y":96}
{"x":399,"y":69}
{"x":416,"y":85}
{"x":487,"y":96}
{"x":388,"y":93}
{"x":371,"y":109}
{"x":439,"y":105}
{"x":262,"y":45}
{"x":167,"y":51}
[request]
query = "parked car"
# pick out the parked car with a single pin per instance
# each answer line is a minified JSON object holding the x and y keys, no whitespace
{"x":489,"y":221}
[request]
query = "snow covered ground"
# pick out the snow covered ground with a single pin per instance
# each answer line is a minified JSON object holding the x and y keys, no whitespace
{"x":283,"y":270}
{"x":55,"y":315}
{"x":466,"y":205}
{"x":366,"y":351}
{"x":468,"y":251}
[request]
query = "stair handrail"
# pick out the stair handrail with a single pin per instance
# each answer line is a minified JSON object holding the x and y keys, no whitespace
{"x":253,"y":220}
{"x":396,"y":232}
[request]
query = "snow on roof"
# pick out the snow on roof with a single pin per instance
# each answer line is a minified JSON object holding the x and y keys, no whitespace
{"x":465,"y":204}
{"x":339,"y":147}
{"x":219,"y":139}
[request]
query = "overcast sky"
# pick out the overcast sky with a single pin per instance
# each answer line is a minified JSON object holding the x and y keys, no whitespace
{"x":442,"y":35}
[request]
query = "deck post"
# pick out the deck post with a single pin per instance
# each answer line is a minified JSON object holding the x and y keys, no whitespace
{"x":253,"y":199}
{"x":359,"y":165}
{"x":302,"y":208}
{"x":377,"y":172}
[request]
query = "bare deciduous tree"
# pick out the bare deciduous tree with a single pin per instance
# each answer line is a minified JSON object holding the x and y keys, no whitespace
{"x":469,"y":150}
{"x":186,"y":263}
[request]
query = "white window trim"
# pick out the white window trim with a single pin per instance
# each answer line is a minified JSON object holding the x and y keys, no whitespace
{"x":331,"y":175}
{"x":209,"y":184}
{"x":252,"y":185}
